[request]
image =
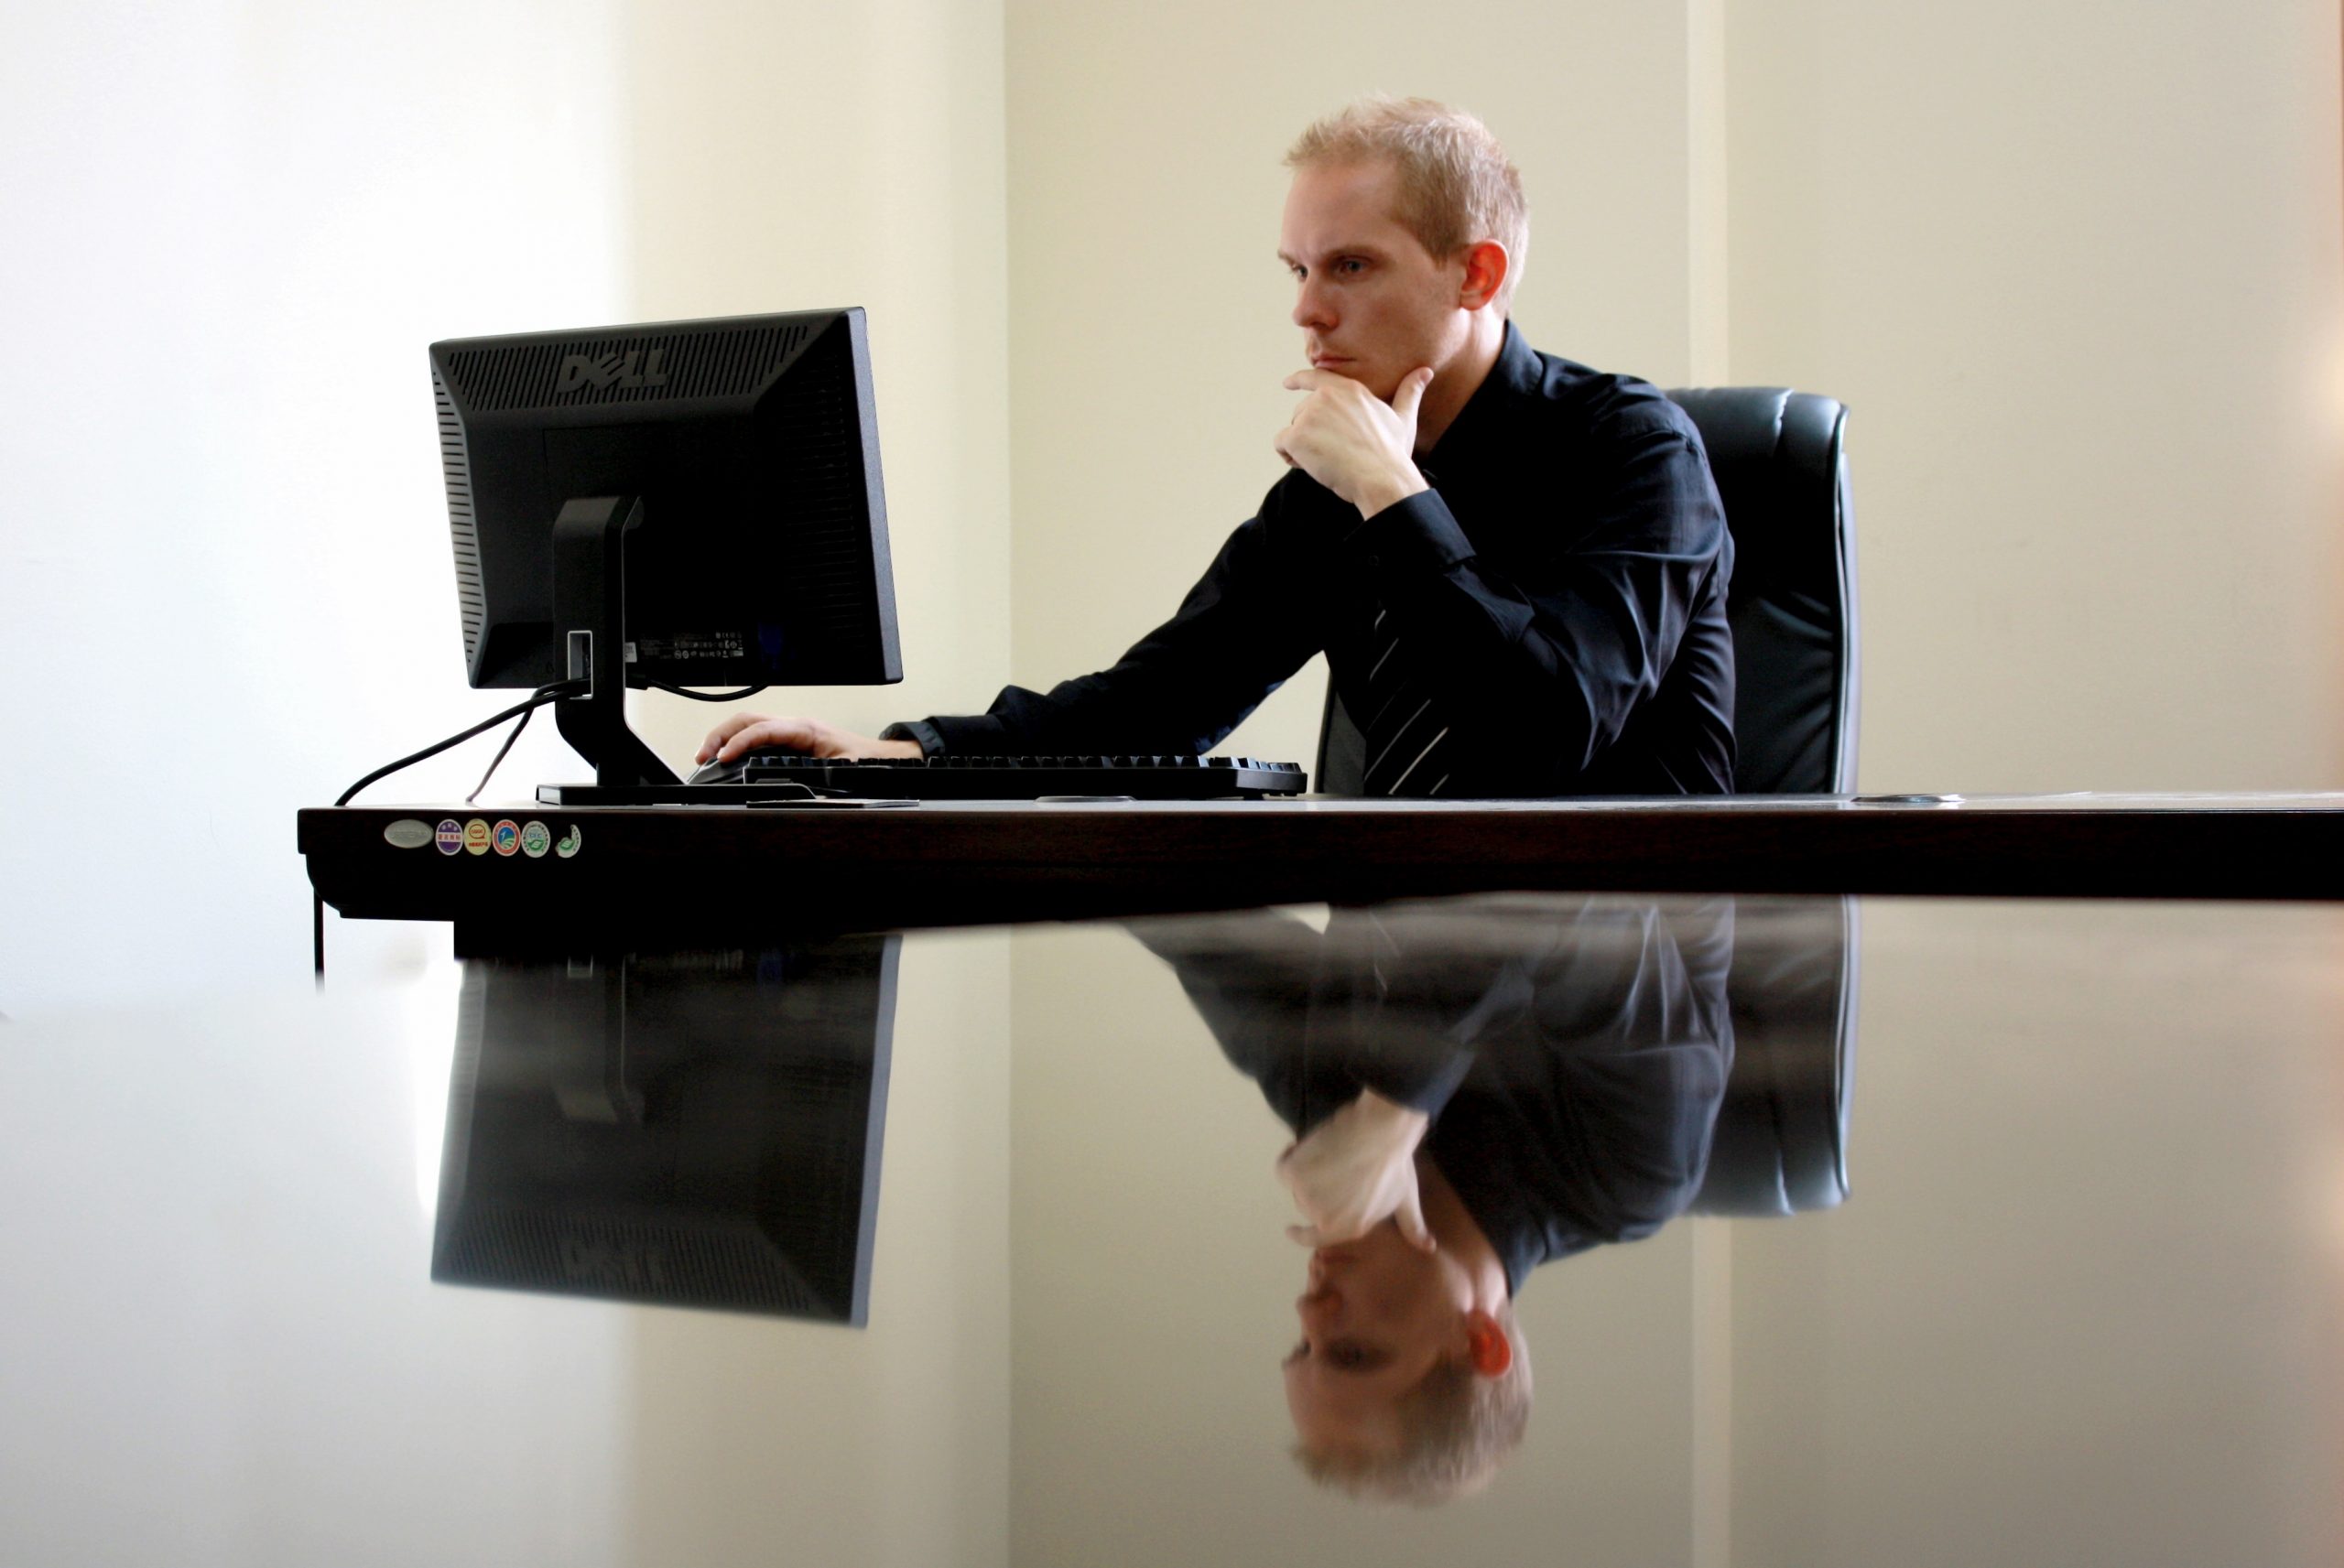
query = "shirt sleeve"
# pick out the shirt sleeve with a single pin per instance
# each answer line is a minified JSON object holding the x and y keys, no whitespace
{"x":1237,"y":636}
{"x":1555,"y":643}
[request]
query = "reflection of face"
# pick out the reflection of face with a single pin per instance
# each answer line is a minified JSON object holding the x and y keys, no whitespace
{"x":1372,"y":302}
{"x":1377,"y":1315}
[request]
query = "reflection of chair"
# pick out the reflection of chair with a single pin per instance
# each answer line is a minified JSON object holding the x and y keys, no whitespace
{"x":1781,"y":1141}
{"x":1780,"y":462}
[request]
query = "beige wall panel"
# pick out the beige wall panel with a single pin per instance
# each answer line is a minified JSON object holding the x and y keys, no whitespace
{"x":2075,"y":270}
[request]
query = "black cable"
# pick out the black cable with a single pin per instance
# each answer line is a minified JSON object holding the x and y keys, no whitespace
{"x":537,"y":699}
{"x":513,"y":735}
{"x":705,"y":696}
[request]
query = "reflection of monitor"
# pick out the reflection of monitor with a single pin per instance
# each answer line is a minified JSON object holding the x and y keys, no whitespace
{"x":685,"y":503}
{"x":683,"y":1128}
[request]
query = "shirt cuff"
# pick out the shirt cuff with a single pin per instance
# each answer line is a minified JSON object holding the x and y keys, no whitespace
{"x":931,"y":744}
{"x":957,"y":735}
{"x":1415,"y":533}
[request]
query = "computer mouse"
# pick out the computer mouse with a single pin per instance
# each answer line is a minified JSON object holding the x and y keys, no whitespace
{"x":736,"y":770}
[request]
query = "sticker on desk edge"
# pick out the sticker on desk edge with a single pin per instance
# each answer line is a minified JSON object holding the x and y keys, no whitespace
{"x":450,"y":837}
{"x":407,"y":833}
{"x":476,"y":836}
{"x":506,"y":837}
{"x":535,"y":839}
{"x":571,"y":841}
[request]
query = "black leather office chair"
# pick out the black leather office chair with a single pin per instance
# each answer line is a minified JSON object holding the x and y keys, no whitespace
{"x":1780,"y":459}
{"x":1780,"y":463}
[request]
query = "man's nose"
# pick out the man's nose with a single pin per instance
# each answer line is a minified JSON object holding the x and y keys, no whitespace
{"x":1319,"y":1306}
{"x":1310,"y":310}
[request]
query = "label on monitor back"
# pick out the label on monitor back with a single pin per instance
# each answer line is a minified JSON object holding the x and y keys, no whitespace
{"x":684,"y":647}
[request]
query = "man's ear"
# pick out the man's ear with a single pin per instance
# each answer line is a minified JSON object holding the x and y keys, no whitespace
{"x":1486,"y":1344}
{"x":1486,"y":267}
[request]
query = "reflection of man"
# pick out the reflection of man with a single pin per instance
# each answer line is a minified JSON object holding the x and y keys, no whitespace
{"x":1473,"y":1097}
{"x":1516,"y":565}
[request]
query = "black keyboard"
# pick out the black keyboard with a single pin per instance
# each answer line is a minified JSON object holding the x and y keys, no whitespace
{"x":1030,"y":778}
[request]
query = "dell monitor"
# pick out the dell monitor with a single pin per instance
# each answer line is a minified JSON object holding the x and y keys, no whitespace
{"x":685,"y":503}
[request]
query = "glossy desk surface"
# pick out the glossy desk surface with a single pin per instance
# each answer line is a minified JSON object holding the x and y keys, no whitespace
{"x":2053,"y":1270}
{"x":728,"y":868}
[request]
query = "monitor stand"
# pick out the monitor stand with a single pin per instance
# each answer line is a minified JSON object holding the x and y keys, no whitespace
{"x":590,"y":617}
{"x":590,"y":613}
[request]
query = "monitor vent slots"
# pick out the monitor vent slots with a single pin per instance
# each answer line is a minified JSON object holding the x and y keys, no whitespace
{"x":659,"y":367}
{"x":457,"y":466}
{"x":828,"y":561}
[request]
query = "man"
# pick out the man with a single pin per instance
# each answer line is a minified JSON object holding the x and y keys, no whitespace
{"x":1477,"y":1090}
{"x":1516,"y":565}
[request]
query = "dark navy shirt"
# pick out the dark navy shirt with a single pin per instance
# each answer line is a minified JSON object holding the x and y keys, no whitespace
{"x":1562,"y":584}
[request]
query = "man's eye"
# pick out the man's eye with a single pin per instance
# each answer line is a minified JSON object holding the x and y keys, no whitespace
{"x":1346,"y":1356}
{"x":1351,"y":265}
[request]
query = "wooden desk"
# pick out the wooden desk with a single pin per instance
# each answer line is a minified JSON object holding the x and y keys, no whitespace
{"x":689,"y":869}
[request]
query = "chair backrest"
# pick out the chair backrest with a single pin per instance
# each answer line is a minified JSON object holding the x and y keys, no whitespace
{"x":1781,"y":464}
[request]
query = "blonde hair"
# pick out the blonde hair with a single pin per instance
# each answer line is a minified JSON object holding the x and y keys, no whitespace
{"x":1457,"y":185}
{"x":1455,"y":1428}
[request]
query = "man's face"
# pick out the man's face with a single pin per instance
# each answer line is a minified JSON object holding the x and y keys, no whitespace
{"x":1372,"y":302}
{"x":1376,"y":1314}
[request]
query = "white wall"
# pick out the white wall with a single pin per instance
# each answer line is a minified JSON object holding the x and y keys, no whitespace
{"x":226,"y":585}
{"x":227,"y":590}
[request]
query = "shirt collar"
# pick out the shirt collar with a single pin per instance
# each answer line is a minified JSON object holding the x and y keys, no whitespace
{"x":1517,"y":372}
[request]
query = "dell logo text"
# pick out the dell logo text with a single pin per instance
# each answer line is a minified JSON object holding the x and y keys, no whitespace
{"x":637,"y":367}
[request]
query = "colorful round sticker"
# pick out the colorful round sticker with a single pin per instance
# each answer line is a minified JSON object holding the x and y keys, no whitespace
{"x":476,"y":836}
{"x":571,"y":842}
{"x":449,"y":837}
{"x":535,"y":839}
{"x":507,"y":837}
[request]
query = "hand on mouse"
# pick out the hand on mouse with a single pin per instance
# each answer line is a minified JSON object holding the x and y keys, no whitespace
{"x":809,"y":737}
